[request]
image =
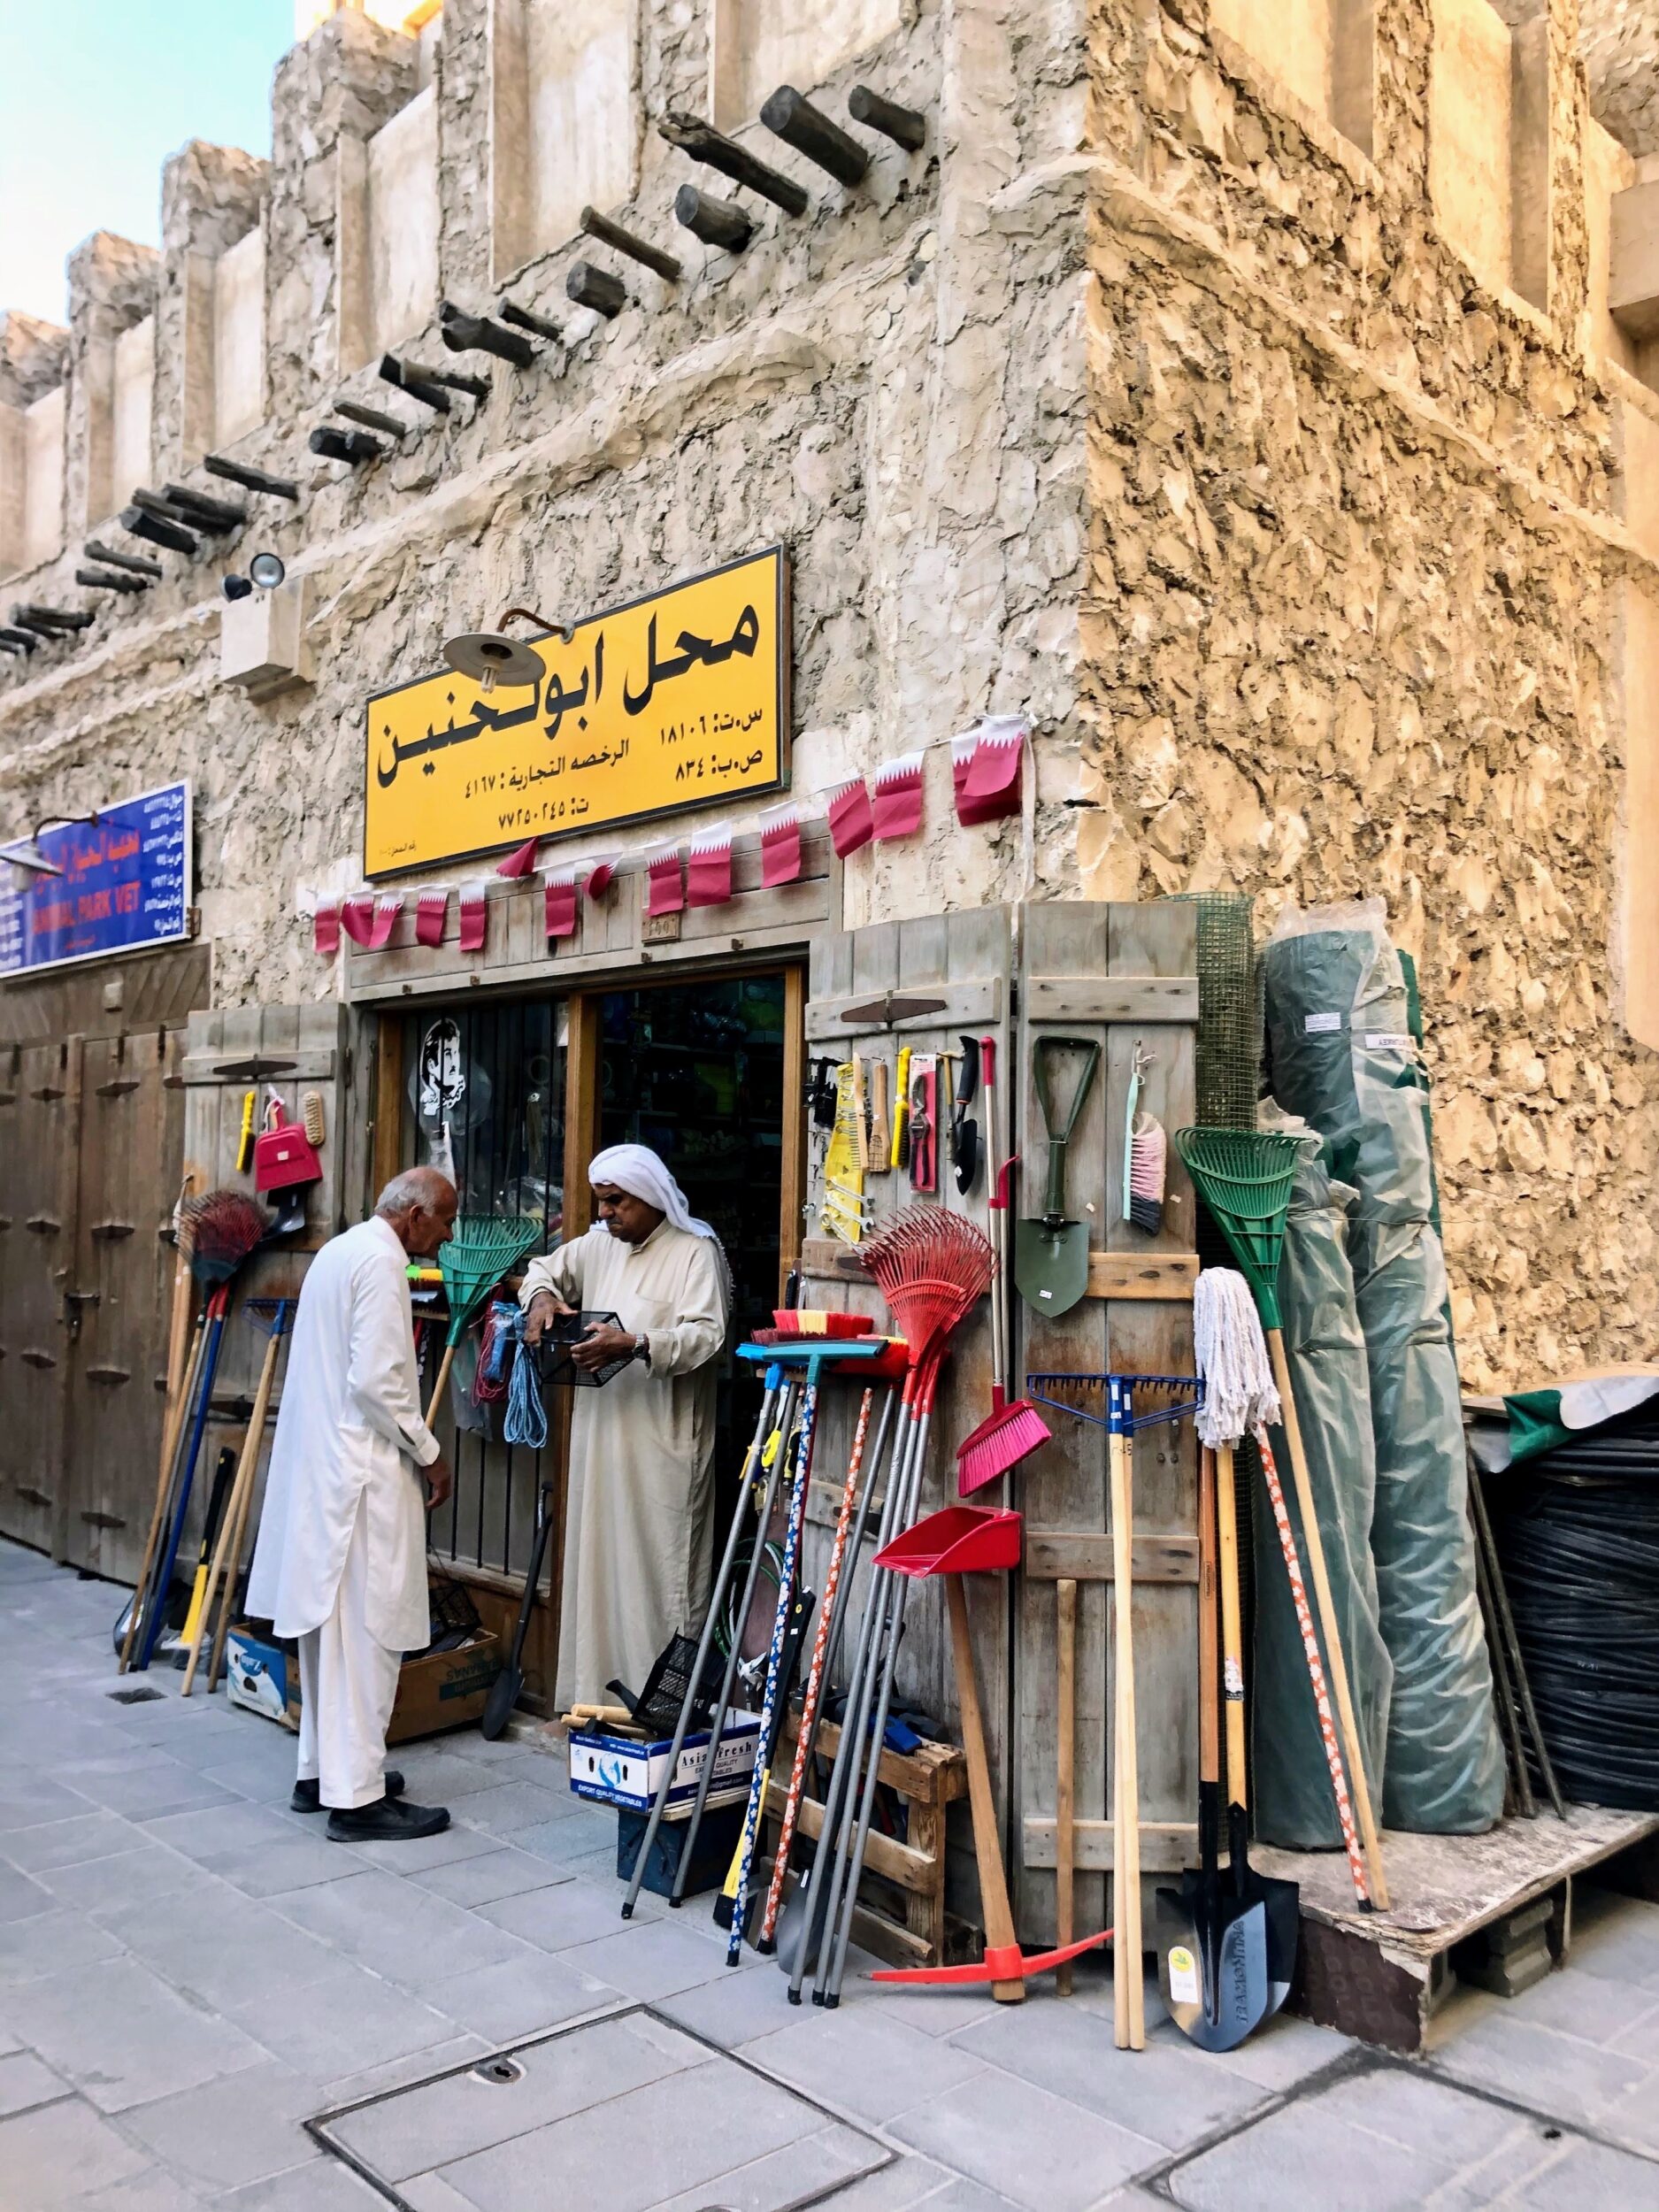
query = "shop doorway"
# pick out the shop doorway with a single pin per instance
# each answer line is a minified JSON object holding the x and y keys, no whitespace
{"x":513,"y":1097}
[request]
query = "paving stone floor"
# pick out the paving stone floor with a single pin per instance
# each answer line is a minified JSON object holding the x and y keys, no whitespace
{"x":189,"y":1972}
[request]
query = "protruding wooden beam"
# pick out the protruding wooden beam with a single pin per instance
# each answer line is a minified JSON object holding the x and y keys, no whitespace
{"x":717,"y":222}
{"x":903,"y":126}
{"x":716,"y":150}
{"x":477,"y":333}
{"x":161,"y":507}
{"x":108,"y":580}
{"x":223,"y":515}
{"x":18,"y":641}
{"x":592,"y":223}
{"x":95,"y":549}
{"x":50,"y":621}
{"x":353,"y":447}
{"x":250,"y":478}
{"x":787,"y":115}
{"x":371,"y":418}
{"x":590,"y":286}
{"x":157,"y":529}
{"x":524,"y":319}
{"x":418,"y":384}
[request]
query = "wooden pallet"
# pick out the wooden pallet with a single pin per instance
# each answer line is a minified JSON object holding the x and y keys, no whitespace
{"x":901,"y":1913}
{"x":1383,"y":1976}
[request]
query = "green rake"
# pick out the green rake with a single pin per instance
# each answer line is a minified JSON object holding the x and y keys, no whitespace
{"x":482,"y":1248}
{"x":1244,"y":1177}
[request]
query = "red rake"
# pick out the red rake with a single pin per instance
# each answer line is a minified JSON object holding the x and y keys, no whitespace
{"x":220,"y":1230}
{"x":1010,"y":1431}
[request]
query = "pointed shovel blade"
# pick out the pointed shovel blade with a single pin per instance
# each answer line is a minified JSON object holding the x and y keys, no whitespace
{"x":1215,"y":2009}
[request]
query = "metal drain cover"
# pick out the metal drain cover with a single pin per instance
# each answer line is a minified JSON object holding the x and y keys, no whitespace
{"x":628,"y":2108}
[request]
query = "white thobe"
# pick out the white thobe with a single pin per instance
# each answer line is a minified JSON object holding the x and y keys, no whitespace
{"x":640,"y":1502}
{"x":341,"y":1562}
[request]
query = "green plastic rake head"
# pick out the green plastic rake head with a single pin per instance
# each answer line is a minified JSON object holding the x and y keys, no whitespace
{"x":1244,"y":1177}
{"x":482,"y":1248}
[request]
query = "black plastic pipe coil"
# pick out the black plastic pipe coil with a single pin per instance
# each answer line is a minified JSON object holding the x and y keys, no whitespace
{"x":1578,"y":1533}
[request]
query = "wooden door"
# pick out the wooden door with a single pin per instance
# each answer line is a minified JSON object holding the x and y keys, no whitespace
{"x":119,"y":1295}
{"x":40,"y":1107}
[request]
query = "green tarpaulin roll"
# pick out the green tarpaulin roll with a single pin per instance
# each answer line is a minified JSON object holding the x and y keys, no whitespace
{"x":1326,"y":1348}
{"x":1342,"y":1056}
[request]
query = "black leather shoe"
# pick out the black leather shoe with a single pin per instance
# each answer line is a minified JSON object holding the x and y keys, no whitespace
{"x":388,"y":1820}
{"x":306,"y":1799}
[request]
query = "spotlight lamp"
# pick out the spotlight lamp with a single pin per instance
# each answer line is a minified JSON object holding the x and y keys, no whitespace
{"x":28,"y":859}
{"x":266,"y":569}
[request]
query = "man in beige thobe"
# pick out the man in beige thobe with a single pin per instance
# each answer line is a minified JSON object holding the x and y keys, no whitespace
{"x":639,"y":1519}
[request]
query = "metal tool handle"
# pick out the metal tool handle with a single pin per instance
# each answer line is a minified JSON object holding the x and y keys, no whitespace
{"x":969,"y":1083}
{"x":1045,"y":1048}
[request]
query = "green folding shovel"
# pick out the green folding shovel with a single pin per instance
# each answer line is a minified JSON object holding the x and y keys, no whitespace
{"x":1051,"y":1252}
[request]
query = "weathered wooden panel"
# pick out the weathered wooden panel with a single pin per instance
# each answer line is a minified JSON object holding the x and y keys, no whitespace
{"x":40,"y":1136}
{"x":1062,"y":999}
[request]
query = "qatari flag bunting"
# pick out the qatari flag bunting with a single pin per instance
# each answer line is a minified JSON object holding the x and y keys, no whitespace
{"x":986,"y":770}
{"x":850,"y":820}
{"x":474,"y":915}
{"x":709,"y":868}
{"x":388,"y":907}
{"x":665,"y":888}
{"x":326,"y":928}
{"x":599,"y":879}
{"x":560,"y":908}
{"x":356,"y":915}
{"x":519,"y":863}
{"x":780,"y":848}
{"x":432,"y":910}
{"x":898,"y":803}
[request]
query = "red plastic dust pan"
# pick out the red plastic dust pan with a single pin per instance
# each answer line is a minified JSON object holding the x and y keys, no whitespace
{"x":1006,"y":1963}
{"x":958,"y":1540}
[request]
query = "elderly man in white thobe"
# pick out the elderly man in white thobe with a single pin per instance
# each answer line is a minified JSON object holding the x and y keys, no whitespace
{"x":341,"y":1563}
{"x":640,"y":1517}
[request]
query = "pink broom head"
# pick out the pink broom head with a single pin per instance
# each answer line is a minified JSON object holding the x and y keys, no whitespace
{"x":1001,"y":1441}
{"x":218,"y":1231}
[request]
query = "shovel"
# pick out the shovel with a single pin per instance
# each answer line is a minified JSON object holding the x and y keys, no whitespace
{"x":1213,"y":1970}
{"x":1279,"y":1902}
{"x":505,"y":1689}
{"x":1051,"y":1252}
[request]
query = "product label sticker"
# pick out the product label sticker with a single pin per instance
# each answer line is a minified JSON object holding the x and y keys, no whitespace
{"x":1183,"y":1975}
{"x":1232,"y":1680}
{"x":1321,"y":1025}
{"x":1388,"y":1040}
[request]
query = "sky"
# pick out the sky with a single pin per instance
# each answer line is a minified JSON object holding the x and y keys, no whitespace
{"x":94,"y":95}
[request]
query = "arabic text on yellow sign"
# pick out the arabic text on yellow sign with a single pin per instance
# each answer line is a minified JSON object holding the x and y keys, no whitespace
{"x":677,"y":700}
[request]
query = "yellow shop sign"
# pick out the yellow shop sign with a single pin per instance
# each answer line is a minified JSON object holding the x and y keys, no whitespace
{"x":674,"y":701}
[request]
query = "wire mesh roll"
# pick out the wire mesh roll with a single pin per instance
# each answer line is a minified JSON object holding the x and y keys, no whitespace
{"x":1578,"y":1533}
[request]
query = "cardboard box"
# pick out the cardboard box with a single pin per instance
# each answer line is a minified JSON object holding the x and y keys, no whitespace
{"x":444,"y":1689}
{"x":260,"y":1675}
{"x":441,"y":1689}
{"x":621,"y":1770}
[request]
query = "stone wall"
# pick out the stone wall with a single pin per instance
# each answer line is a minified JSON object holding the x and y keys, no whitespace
{"x":1143,"y":401}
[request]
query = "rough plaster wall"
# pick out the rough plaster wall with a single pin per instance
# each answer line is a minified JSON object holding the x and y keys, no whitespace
{"x":402,"y":218}
{"x":1348,"y":631}
{"x":44,"y":479}
{"x":1290,"y":37}
{"x":761,"y":44}
{"x":1468,"y":132}
{"x":239,"y":339}
{"x":1639,"y":680}
{"x":1619,"y":41}
{"x":131,"y":400}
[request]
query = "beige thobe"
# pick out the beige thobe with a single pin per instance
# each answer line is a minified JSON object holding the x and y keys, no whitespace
{"x":640,"y":1506}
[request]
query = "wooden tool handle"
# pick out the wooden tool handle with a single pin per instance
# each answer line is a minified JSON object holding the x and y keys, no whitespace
{"x":1128,"y":1994}
{"x":1208,"y":1720}
{"x":235,"y":1513}
{"x":1065,"y":1790}
{"x":1232,"y":1628}
{"x":172,"y":1432}
{"x":880,"y":1126}
{"x":1359,"y":1788}
{"x":999,"y":1916}
{"x":437,"y":1388}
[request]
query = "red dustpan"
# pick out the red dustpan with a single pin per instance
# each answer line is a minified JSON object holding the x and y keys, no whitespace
{"x":956,"y":1540}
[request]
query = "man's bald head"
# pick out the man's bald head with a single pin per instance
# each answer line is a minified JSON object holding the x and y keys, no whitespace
{"x":418,"y":1207}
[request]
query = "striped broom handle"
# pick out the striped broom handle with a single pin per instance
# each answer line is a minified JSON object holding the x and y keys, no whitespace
{"x":815,"y":1679}
{"x":774,"y":1667}
{"x":1316,"y":1671}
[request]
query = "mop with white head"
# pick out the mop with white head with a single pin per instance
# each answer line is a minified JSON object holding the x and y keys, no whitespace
{"x":1231,"y":1354}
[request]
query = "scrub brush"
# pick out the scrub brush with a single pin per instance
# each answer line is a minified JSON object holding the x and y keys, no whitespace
{"x":1148,"y":1150}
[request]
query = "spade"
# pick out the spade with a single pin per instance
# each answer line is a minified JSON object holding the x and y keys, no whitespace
{"x":1051,"y":1252}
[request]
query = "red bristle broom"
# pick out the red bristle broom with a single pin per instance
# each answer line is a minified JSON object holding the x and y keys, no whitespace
{"x":218,"y":1231}
{"x":817,"y":1321}
{"x":1010,"y":1430}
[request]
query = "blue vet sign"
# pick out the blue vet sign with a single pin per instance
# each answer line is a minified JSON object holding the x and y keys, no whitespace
{"x":125,"y":886}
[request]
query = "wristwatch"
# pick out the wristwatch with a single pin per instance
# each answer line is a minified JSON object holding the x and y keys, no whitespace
{"x":642,"y":1348}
